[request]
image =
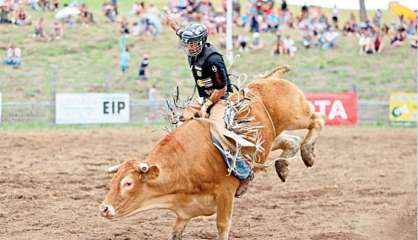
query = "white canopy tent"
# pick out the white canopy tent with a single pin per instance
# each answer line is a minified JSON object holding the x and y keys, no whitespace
{"x":354,"y":4}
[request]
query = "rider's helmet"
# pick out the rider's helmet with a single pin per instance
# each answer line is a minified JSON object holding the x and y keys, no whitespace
{"x":193,"y":38}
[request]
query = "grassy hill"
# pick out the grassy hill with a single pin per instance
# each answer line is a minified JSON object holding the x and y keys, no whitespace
{"x":86,"y":59}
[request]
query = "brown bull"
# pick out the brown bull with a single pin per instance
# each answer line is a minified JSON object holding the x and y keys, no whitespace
{"x":185,"y":173}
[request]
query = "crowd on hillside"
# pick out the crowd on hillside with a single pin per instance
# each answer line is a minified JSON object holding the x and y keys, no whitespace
{"x":313,"y":28}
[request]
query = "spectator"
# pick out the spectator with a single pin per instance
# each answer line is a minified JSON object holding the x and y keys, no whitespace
{"x":279,"y":48}
{"x":414,"y":42}
{"x":365,"y":42}
{"x":124,"y":26}
{"x":330,"y":38}
{"x":153,"y":105}
{"x":377,"y":42}
{"x":243,"y":42}
{"x":13,"y":57}
{"x":5,"y":9}
{"x":109,"y":11}
{"x":377,"y":18}
{"x":39,"y":32}
{"x":335,"y":17}
{"x":34,"y":5}
{"x":398,"y":37}
{"x":57,"y":30}
{"x":289,"y":45}
{"x":115,"y":6}
{"x":256,"y":42}
{"x":124,"y":60}
{"x":55,"y":5}
{"x":307,"y":36}
{"x":143,"y":68}
{"x":22,"y":17}
{"x":86,"y":16}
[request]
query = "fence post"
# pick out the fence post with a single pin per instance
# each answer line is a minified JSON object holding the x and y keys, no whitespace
{"x":53,"y":92}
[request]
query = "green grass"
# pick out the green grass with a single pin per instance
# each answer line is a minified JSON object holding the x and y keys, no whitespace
{"x":86,"y":60}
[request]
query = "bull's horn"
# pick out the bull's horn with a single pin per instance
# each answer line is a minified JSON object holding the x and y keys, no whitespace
{"x":113,"y":169}
{"x":143,"y":167}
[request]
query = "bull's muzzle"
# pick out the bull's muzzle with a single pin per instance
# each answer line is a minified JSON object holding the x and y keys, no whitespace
{"x":106,"y":210}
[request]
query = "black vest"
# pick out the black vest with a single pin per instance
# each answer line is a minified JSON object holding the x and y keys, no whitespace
{"x":202,"y":73}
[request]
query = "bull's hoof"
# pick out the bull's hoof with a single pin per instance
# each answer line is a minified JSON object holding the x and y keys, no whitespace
{"x":308,"y":154}
{"x":282,"y":169}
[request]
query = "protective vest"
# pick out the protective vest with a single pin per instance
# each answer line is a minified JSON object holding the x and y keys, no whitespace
{"x":202,"y":73}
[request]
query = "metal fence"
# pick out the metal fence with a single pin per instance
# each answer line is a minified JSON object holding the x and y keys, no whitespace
{"x":24,"y":101}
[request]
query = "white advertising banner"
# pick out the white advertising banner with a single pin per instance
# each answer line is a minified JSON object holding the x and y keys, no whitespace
{"x":84,"y":108}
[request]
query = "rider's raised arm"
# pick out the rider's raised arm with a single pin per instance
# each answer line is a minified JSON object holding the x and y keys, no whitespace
{"x":173,"y":24}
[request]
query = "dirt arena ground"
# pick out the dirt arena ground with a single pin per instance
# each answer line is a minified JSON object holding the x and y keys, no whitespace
{"x":362,"y":187}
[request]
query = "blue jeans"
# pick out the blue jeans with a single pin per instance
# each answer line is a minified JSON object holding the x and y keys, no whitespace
{"x":12,"y":62}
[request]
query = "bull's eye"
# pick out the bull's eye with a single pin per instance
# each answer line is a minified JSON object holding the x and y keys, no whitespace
{"x":127,"y":183}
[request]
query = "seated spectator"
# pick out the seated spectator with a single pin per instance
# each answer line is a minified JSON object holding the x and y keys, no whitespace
{"x":272,"y":23}
{"x":256,"y":42}
{"x":411,"y":29}
{"x":39,"y":32}
{"x":109,"y":11}
{"x":14,"y":56}
{"x":5,"y":9}
{"x":329,"y":38}
{"x":289,"y":46}
{"x":385,"y":29}
{"x":398,"y":37}
{"x":44,"y":4}
{"x":414,"y":42}
{"x":86,"y":16}
{"x":143,"y":68}
{"x":279,"y":47}
{"x":55,"y":5}
{"x":377,"y":42}
{"x":365,"y":42}
{"x":307,"y":36}
{"x":124,"y":26}
{"x":57,"y":30}
{"x":243,"y":43}
{"x":21,"y":17}
{"x":34,"y":5}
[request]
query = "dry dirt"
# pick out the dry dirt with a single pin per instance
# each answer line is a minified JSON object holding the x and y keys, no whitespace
{"x":362,"y":187}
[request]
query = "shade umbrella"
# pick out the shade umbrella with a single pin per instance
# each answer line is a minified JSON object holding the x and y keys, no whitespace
{"x":67,"y":12}
{"x":400,"y":10}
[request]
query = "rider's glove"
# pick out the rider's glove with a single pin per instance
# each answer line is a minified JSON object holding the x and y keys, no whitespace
{"x":204,"y":109}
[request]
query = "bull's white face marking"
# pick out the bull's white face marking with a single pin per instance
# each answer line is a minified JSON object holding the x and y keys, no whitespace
{"x":127,"y":184}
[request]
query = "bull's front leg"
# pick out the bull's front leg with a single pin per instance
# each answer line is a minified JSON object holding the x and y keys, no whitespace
{"x":224,"y":202}
{"x":179,"y":228}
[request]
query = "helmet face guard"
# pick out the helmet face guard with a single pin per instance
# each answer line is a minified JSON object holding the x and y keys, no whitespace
{"x":193,"y":39}
{"x":193,"y":48}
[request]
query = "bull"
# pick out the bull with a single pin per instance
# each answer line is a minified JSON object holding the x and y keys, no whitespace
{"x":186,"y":174}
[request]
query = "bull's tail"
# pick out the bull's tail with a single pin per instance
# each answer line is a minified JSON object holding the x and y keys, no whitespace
{"x":277,"y":72}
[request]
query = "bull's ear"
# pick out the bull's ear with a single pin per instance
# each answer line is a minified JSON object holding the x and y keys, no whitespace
{"x":152,"y":173}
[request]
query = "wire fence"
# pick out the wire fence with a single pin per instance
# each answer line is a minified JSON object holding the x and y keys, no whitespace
{"x":26,"y":101}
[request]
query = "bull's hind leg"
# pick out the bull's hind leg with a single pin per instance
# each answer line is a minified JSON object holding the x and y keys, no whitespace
{"x":289,"y":144}
{"x":315,"y":125}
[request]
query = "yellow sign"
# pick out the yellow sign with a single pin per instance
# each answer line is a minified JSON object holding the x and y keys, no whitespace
{"x":403,"y":107}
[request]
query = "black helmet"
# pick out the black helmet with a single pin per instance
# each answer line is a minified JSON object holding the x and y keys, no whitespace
{"x":194,"y":37}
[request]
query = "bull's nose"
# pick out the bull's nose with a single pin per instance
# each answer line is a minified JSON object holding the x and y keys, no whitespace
{"x":106,"y":210}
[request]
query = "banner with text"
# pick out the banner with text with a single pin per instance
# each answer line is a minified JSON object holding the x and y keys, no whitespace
{"x":84,"y":108}
{"x":340,"y":108}
{"x":403,"y":107}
